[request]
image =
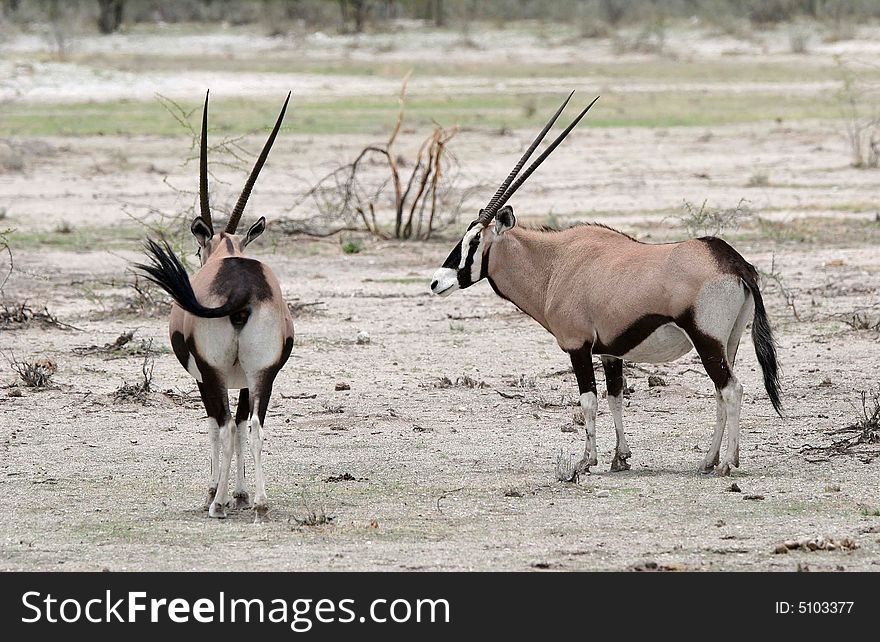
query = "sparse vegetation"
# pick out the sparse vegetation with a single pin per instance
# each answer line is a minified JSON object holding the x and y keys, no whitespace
{"x":707,"y":220}
{"x":566,"y":469}
{"x":139,"y":392}
{"x":352,"y":246}
{"x":34,"y":374}
{"x":345,"y":194}
{"x":21,"y":315}
{"x":861,"y":118}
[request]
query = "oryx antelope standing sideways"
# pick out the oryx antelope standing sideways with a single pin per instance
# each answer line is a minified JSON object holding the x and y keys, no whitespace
{"x":601,"y":292}
{"x":230,"y":328}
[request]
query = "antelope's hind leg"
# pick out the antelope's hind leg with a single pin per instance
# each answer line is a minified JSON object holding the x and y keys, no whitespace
{"x":582,"y":362}
{"x":214,"y":411}
{"x":715,"y":332}
{"x":261,"y":389}
{"x":215,"y":397}
{"x":615,"y":383}
{"x":240,"y":494}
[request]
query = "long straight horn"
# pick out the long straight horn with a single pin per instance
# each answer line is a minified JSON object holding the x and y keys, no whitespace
{"x":246,"y":192}
{"x":204,"y":207}
{"x":488,"y":212}
{"x":544,"y":155}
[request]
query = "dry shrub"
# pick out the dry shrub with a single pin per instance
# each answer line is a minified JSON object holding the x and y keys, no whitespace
{"x":35,"y":374}
{"x":138,"y":392}
{"x":346,"y":195}
{"x":713,"y":221}
{"x":16,"y":316}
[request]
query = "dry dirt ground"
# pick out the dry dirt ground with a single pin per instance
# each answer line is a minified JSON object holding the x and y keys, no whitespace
{"x":443,"y":453}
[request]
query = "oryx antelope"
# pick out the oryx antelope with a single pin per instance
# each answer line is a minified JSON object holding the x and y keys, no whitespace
{"x":230,"y":328}
{"x":601,"y":292}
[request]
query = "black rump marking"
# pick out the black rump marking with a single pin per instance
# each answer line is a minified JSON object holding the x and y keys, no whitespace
{"x":729,"y":260}
{"x":238,"y":273}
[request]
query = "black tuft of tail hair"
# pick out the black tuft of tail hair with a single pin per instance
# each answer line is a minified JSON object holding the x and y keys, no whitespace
{"x":765,"y":347}
{"x":166,"y":271}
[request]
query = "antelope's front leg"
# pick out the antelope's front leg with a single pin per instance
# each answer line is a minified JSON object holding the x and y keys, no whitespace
{"x":582,"y":362}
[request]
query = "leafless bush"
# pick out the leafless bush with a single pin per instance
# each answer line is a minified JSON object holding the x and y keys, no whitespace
{"x":21,"y":315}
{"x":6,"y":248}
{"x":862,"y":436}
{"x":34,"y":374}
{"x":775,"y":278}
{"x":861,"y":118}
{"x":713,"y":221}
{"x":861,"y":320}
{"x":346,"y":195}
{"x":464,"y":381}
{"x":139,"y":392}
{"x":312,"y":515}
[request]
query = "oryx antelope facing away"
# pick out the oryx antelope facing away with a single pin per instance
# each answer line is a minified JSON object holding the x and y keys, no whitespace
{"x":231,"y":329}
{"x":601,"y":292}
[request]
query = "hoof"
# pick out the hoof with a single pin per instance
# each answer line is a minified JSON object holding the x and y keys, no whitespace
{"x":242,"y":500}
{"x":212,"y":491}
{"x":723,"y":470}
{"x":707,"y":469}
{"x":217,"y":511}
{"x":618,"y":464}
{"x":261,"y":513}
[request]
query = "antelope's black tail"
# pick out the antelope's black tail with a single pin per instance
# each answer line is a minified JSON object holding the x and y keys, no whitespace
{"x":765,"y":347}
{"x":166,"y":271}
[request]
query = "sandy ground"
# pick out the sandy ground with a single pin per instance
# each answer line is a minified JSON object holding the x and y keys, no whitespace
{"x":442,"y":477}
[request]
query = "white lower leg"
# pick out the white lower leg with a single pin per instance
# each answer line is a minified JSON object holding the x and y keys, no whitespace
{"x":711,"y":459}
{"x":218,"y":508}
{"x":256,"y":430}
{"x":589,"y":404}
{"x":240,"y":493}
{"x":621,"y":451}
{"x":732,"y":396}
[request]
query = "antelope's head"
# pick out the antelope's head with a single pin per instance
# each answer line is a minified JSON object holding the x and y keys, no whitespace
{"x":468,"y":261}
{"x":227,"y":242}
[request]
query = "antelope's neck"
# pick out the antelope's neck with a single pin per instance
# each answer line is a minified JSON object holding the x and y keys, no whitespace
{"x":519,"y":270}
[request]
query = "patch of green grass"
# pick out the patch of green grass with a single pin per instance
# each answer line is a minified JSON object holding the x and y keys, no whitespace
{"x":80,"y":238}
{"x":374,"y":114}
{"x":293,"y":61}
{"x":352,"y":246}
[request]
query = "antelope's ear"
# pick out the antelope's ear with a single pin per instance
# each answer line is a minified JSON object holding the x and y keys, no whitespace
{"x":201,"y":231}
{"x":504,"y":220}
{"x":254,"y":231}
